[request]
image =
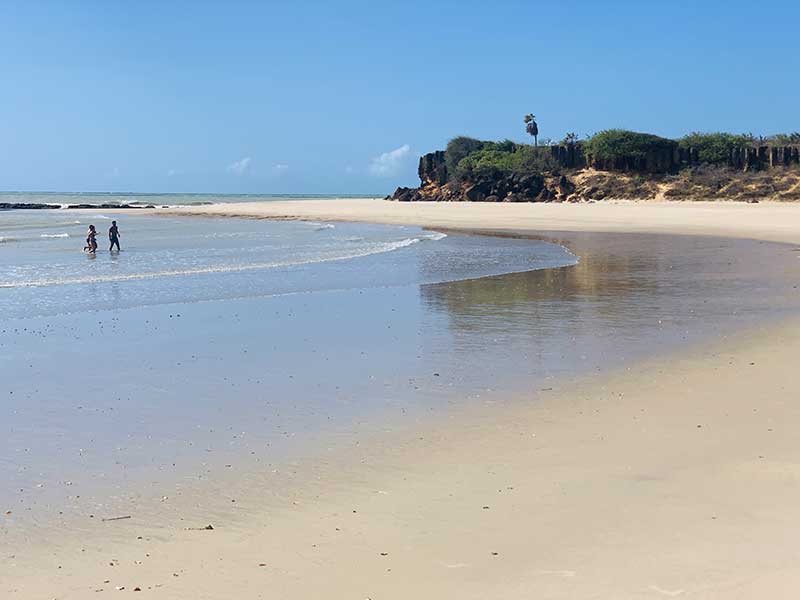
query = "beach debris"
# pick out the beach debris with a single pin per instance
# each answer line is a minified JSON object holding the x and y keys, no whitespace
{"x":384,"y":554}
{"x":206,"y":528}
{"x":485,"y":508}
{"x":116,"y":518}
{"x":137,"y":589}
{"x":262,"y":564}
{"x":120,"y":588}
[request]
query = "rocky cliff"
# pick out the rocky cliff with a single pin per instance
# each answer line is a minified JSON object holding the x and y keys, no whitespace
{"x":435,"y":186}
{"x":752,"y":173}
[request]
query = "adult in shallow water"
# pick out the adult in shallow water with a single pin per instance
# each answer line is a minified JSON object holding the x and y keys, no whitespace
{"x":113,"y":236}
{"x":91,"y":240}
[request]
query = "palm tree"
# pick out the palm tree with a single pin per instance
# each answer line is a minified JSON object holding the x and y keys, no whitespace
{"x":532,"y":128}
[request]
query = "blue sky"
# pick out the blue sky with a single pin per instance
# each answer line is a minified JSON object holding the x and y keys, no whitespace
{"x":342,"y":97}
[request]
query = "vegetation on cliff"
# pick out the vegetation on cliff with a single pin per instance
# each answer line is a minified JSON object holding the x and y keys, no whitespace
{"x":613,"y":163}
{"x":715,"y":148}
{"x":614,"y":144}
{"x":496,"y":159}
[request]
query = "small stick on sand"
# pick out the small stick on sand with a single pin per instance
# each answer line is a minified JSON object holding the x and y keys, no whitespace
{"x":117,"y":518}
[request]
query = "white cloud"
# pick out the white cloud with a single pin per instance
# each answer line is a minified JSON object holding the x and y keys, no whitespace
{"x":240,"y":167}
{"x":281,"y":167}
{"x":389,"y":163}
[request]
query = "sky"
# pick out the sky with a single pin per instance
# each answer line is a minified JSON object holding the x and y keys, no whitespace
{"x":343,"y":97}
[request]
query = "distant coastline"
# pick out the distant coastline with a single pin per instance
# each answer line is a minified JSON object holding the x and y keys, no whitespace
{"x":130,"y":200}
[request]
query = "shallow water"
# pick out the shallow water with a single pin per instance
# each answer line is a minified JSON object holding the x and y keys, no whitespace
{"x":164,"y":379}
{"x":43,"y":269}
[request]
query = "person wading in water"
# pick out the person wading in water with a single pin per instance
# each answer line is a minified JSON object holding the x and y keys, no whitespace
{"x":91,"y":240}
{"x":113,"y":236}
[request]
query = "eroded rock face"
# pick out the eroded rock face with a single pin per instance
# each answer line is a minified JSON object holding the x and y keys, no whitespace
{"x":754,"y":172}
{"x":511,"y":188}
{"x":432,"y":169}
{"x":403,"y":194}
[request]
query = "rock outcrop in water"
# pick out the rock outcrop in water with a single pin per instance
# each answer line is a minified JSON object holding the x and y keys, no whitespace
{"x":26,"y":206}
{"x":39,"y":206}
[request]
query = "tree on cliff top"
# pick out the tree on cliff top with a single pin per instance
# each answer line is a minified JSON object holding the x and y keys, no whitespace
{"x":532,"y":128}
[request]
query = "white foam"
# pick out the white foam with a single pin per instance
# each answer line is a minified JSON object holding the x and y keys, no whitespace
{"x":379,"y":249}
{"x":54,"y":235}
{"x":319,"y":226}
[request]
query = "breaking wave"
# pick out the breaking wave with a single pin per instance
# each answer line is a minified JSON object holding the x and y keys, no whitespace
{"x":377,"y":249}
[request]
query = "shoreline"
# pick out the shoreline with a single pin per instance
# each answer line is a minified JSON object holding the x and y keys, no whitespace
{"x":767,"y":221}
{"x":682,"y":465}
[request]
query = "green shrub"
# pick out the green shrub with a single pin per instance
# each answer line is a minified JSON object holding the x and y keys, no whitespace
{"x":714,"y":148}
{"x":459,"y":148}
{"x":505,"y":158}
{"x":612,"y":144}
{"x":530,"y":160}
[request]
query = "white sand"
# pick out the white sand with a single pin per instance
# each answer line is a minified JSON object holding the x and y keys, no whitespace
{"x":767,"y":220}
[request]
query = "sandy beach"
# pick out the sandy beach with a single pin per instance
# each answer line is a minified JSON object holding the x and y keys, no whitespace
{"x":770,"y":221}
{"x":678,"y":476}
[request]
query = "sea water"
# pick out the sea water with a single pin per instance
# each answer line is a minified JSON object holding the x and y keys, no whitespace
{"x":44,"y":269}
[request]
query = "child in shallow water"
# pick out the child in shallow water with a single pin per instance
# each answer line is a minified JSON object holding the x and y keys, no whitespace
{"x":91,"y":240}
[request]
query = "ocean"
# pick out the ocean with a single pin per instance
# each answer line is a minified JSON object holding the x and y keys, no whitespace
{"x":65,"y":199}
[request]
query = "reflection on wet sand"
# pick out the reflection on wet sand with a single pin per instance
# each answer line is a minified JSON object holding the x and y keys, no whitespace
{"x":630,"y":295}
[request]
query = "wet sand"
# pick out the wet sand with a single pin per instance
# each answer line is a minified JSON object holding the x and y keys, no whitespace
{"x":674,"y":475}
{"x":676,"y":478}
